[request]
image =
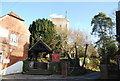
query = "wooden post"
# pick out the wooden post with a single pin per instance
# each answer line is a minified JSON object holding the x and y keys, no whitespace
{"x":85,"y":55}
{"x":118,"y":25}
{"x":118,"y":28}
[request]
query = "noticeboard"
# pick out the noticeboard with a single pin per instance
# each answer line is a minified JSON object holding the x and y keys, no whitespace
{"x":6,"y":61}
{"x":55,"y":57}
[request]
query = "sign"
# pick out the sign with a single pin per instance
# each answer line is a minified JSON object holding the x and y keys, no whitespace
{"x":55,"y":57}
{"x":6,"y":61}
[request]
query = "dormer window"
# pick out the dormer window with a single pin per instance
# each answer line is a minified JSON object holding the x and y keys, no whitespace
{"x":14,"y":39}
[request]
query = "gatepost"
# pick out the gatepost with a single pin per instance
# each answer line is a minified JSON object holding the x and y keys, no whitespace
{"x":64,"y":67}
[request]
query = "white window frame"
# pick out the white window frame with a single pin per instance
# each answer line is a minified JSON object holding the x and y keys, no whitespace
{"x":14,"y":37}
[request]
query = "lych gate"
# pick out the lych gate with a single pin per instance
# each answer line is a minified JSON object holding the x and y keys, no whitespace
{"x":34,"y":51}
{"x":39,"y":47}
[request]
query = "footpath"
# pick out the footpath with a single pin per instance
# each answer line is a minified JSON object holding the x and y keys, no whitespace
{"x":23,"y":77}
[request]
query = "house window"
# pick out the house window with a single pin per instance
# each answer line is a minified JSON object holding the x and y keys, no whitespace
{"x":13,"y":39}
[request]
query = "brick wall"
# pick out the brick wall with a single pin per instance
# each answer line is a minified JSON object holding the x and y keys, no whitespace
{"x":14,"y":53}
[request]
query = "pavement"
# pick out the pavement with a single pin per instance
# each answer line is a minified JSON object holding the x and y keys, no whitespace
{"x":23,"y":77}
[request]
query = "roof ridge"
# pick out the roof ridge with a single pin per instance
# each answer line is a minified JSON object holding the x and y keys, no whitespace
{"x":43,"y":43}
{"x":15,"y":15}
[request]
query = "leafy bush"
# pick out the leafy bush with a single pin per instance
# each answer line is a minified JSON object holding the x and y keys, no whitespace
{"x":113,"y":65}
{"x":93,"y":64}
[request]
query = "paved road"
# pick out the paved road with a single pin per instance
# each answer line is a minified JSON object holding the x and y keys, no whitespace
{"x":48,"y":80}
{"x":22,"y":77}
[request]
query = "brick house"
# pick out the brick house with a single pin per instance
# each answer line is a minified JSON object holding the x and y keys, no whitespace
{"x":14,"y":43}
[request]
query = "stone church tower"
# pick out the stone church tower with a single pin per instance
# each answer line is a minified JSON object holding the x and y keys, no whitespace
{"x":61,"y":24}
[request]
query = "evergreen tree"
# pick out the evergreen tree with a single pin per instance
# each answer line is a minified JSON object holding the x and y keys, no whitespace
{"x":43,"y":28}
{"x":103,"y":28}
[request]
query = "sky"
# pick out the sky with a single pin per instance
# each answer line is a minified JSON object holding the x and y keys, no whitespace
{"x":79,"y":14}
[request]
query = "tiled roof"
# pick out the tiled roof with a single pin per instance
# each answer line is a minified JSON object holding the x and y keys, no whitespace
{"x":15,"y":16}
{"x":40,"y":46}
{"x":12,"y":22}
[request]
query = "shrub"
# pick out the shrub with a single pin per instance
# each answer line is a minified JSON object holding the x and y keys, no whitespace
{"x":93,"y":64}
